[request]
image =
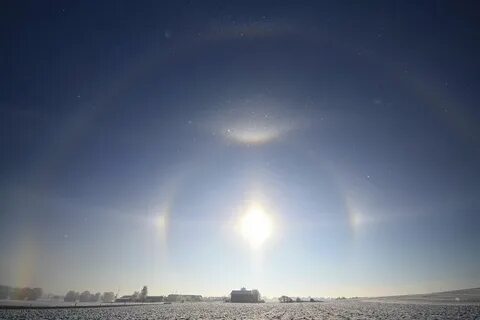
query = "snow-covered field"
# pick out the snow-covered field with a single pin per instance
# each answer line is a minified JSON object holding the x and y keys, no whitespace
{"x":50,"y":303}
{"x":327,"y":310}
{"x":456,"y":296}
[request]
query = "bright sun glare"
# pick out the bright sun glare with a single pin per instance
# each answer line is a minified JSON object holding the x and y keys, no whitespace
{"x":256,"y":226}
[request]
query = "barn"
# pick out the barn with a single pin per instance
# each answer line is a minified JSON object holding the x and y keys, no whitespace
{"x":245,"y":296}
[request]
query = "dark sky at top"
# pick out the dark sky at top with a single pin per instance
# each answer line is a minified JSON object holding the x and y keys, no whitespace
{"x":354,"y":125}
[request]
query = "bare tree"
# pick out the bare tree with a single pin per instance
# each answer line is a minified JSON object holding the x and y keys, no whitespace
{"x":71,"y":296}
{"x":5,"y":292}
{"x":85,"y":296}
{"x":108,"y":297}
{"x":143,"y":294}
{"x":35,"y":294}
{"x":285,"y":299}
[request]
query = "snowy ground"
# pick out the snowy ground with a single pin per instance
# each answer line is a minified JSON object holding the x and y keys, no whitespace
{"x":328,"y":310}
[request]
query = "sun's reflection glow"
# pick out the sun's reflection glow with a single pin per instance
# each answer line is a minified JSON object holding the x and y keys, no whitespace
{"x":254,"y":121}
{"x":254,"y":135}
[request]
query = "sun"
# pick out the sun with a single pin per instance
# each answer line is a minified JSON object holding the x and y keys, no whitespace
{"x":256,"y":226}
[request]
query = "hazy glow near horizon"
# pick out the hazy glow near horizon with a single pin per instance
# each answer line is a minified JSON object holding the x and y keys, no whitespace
{"x":256,"y":226}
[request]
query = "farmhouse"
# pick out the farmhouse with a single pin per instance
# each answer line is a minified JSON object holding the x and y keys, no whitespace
{"x":246,"y":296}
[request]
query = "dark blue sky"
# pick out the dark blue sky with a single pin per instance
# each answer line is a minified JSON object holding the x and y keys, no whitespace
{"x":136,"y":137}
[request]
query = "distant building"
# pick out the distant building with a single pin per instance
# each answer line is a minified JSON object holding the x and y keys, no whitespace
{"x":130,"y":299}
{"x":245,"y":296}
{"x":154,"y":299}
{"x":125,"y":299}
{"x":184,"y":298}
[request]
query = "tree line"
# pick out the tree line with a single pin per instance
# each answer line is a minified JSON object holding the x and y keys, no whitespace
{"x":30,"y":294}
{"x":25,"y":293}
{"x":86,"y":296}
{"x":285,"y":299}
